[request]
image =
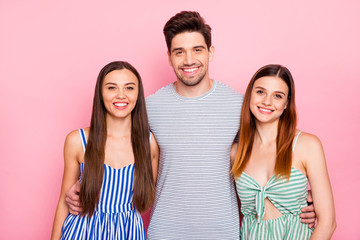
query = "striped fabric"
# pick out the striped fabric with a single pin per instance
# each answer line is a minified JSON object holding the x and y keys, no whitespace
{"x":195,"y":195}
{"x":115,"y":216}
{"x":287,"y":196}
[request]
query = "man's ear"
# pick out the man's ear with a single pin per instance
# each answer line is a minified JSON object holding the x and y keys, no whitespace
{"x":211,"y":53}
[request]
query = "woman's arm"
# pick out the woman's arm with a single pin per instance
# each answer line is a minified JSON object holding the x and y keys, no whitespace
{"x":316,"y":170}
{"x":155,"y":151}
{"x":72,"y":151}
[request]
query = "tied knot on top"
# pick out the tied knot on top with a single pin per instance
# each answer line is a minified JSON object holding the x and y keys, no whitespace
{"x":260,"y":203}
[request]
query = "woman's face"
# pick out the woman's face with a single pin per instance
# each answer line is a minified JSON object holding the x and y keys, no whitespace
{"x":120,"y":92}
{"x":269,"y":98}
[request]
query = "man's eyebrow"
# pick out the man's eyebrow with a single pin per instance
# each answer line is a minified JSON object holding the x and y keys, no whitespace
{"x":176,"y":49}
{"x":180,"y":48}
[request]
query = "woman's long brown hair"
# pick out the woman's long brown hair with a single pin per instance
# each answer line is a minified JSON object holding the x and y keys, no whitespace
{"x":286,"y":126}
{"x":92,"y":177}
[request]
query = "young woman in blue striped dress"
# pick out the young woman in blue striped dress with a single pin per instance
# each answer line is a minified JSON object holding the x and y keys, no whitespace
{"x":113,"y":158}
{"x":274,"y":162}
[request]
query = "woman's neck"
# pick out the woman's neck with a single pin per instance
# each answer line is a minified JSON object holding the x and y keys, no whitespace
{"x":266,"y":133}
{"x":118,"y":127}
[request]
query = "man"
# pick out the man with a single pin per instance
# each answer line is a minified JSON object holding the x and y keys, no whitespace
{"x":195,"y":121}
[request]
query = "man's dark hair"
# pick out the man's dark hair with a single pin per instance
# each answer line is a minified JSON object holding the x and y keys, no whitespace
{"x":186,"y":21}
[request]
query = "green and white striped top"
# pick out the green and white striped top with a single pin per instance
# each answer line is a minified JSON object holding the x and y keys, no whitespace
{"x":287,"y":196}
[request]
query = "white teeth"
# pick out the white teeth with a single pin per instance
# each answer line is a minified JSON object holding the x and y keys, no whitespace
{"x":265,"y":110}
{"x":190,"y":69}
{"x":120,"y":104}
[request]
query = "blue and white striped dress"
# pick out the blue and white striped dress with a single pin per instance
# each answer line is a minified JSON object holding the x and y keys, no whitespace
{"x":115,"y":216}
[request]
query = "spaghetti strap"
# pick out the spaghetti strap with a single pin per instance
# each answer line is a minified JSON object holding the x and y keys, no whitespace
{"x":83,"y":138}
{"x":295,"y":140}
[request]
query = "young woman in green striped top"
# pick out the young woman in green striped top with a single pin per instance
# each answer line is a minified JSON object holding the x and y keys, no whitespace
{"x":274,"y":162}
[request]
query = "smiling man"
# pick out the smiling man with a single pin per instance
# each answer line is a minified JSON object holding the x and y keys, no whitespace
{"x":189,"y":58}
{"x":195,"y":120}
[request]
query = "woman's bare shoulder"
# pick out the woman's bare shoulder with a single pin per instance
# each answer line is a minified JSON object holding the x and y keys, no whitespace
{"x":73,"y":145}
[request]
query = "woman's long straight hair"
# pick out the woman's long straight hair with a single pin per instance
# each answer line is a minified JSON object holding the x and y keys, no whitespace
{"x":92,"y":177}
{"x":286,"y":126}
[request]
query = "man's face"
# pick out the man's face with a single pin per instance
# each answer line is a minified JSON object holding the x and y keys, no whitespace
{"x":189,"y":57}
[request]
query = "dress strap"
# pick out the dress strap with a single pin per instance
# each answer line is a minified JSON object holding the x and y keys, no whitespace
{"x":83,"y":138}
{"x":295,"y":140}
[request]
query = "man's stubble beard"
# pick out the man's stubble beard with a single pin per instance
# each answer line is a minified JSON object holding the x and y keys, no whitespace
{"x":190,"y":83}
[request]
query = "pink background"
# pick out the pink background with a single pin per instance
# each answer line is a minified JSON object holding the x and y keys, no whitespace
{"x":52,"y":51}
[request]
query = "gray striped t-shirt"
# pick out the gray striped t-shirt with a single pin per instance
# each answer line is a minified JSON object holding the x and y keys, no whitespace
{"x":195,"y":196}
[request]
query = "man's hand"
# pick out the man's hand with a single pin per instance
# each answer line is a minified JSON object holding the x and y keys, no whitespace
{"x":72,"y":199}
{"x":308,"y":213}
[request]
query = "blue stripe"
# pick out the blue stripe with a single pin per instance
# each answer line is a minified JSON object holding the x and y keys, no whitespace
{"x":122,"y":201}
{"x":115,"y":190}
{"x":83,"y":137}
{"x":118,"y":190}
{"x":129,"y":179}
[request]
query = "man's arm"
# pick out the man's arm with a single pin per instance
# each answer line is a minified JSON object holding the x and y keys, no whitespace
{"x":308,"y":213}
{"x":72,"y":199}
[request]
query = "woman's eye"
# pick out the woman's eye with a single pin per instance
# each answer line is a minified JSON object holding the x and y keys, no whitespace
{"x":278,"y":96}
{"x":130,"y":88}
{"x":178,"y":52}
{"x":260,"y":91}
{"x":111,"y":88}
